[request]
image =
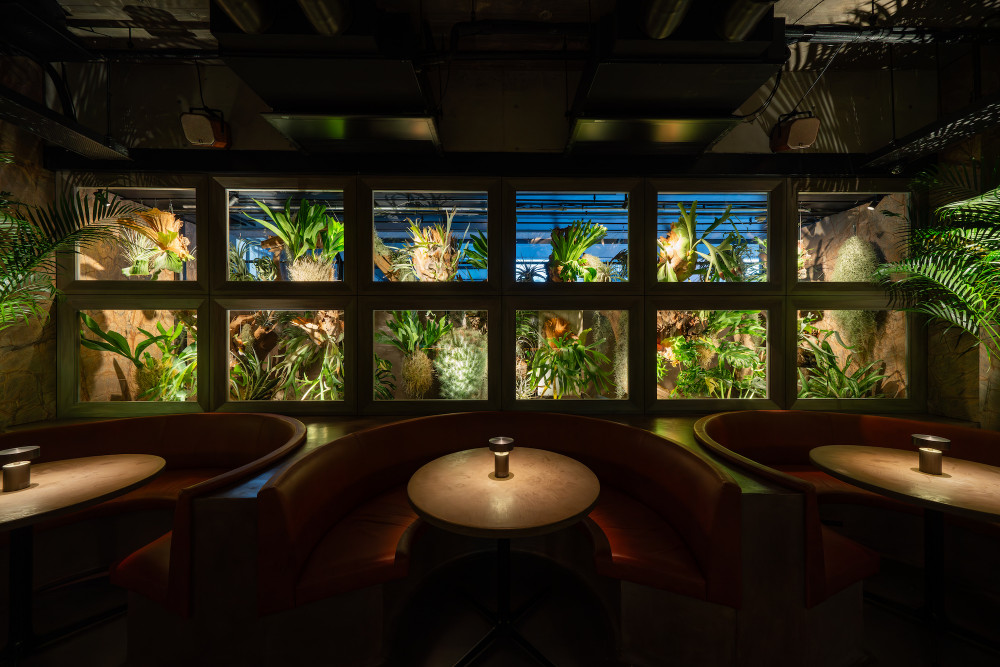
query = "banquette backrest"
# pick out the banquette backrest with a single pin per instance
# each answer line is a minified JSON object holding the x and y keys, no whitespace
{"x":784,"y":437}
{"x":699,"y":500}
{"x":199,"y":440}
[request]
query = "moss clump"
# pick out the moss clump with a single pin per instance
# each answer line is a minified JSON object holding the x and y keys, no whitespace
{"x":461,"y":364}
{"x":417,"y":374}
{"x":856,"y":262}
{"x":857,"y":328}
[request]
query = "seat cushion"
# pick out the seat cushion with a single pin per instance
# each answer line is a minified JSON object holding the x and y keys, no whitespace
{"x":634,"y":543}
{"x":146,"y":571}
{"x":369,"y":546}
{"x":829,"y":489}
{"x":845,"y":561}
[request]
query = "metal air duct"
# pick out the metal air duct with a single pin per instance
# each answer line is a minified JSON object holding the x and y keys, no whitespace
{"x":663,"y":16}
{"x":329,"y":17}
{"x":251,"y":16}
{"x":742,"y":16}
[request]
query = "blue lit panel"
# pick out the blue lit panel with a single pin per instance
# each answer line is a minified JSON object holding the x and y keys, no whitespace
{"x":740,"y":238}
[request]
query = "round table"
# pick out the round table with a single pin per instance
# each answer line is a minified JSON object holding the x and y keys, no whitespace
{"x":59,"y":487}
{"x":544,"y":492}
{"x":967,"y":488}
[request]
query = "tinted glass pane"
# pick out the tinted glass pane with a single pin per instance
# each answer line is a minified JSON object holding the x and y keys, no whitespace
{"x":844,"y":237}
{"x":711,"y":237}
{"x":286,"y":355}
{"x":430,"y":236}
{"x":852,"y":354}
{"x":711,"y":354}
{"x":280,"y":235}
{"x":430,"y":354}
{"x":159,"y":244}
{"x":138,"y":355}
{"x":571,"y":237}
{"x":579,"y":354}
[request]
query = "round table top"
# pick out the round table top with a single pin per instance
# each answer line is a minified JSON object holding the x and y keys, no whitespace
{"x":544,"y":492}
{"x":67,"y":485}
{"x":966,"y":487}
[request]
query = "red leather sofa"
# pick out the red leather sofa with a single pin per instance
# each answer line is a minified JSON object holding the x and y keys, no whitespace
{"x":204,"y":452}
{"x":338,"y":518}
{"x":775,"y":445}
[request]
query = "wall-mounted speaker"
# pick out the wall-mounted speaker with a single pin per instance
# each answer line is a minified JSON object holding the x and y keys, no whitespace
{"x":792,"y":133}
{"x":205,"y":130}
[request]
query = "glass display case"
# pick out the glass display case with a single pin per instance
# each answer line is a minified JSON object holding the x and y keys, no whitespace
{"x":285,"y":235}
{"x":571,"y":237}
{"x":286,"y":355}
{"x":711,"y":354}
{"x":429,"y":236}
{"x":711,"y":237}
{"x":571,"y":354}
{"x":430,"y":354}
{"x":843,"y":237}
{"x":138,"y":355}
{"x":851,"y":354}
{"x":157,"y":242}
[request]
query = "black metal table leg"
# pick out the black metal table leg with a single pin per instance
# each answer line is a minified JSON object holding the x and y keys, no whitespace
{"x":503,"y":628}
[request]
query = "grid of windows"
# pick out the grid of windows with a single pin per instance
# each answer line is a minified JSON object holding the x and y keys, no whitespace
{"x":350,"y":295}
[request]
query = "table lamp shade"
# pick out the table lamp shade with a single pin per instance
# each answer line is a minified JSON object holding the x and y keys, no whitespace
{"x":29,"y":453}
{"x":931,"y":441}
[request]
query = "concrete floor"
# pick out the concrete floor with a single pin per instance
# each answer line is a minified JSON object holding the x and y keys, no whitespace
{"x":567,"y":624}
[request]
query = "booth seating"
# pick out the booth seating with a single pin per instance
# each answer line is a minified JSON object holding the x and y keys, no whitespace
{"x":775,"y":445}
{"x":338,"y":519}
{"x":204,"y":452}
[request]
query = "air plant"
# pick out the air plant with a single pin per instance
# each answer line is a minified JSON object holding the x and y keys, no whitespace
{"x":433,"y":250}
{"x":153,"y":243}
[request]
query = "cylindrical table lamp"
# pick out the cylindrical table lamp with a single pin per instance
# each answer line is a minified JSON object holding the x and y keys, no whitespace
{"x":501,"y":448}
{"x":930,"y":450}
{"x":16,"y":464}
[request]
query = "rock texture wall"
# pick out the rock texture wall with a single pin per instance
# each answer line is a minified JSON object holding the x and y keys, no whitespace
{"x":27,"y":352}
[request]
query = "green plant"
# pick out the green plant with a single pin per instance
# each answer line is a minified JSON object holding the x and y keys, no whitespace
{"x":568,"y":365}
{"x":416,"y":374}
{"x":311,"y":360}
{"x":828,"y":377}
{"x":31,"y":239}
{"x":527,"y":273}
{"x":856,"y":262}
{"x":477,"y":252}
{"x":662,"y":366}
{"x":152,"y":242}
{"x":169,"y":377}
{"x":678,"y":254}
{"x":716,"y":363}
{"x":859,"y":327}
{"x":252,"y":379}
{"x":460,"y":363}
{"x":952,"y":270}
{"x":567,"y":262}
{"x":383,"y":380}
{"x":409,"y":333}
{"x":309,"y":234}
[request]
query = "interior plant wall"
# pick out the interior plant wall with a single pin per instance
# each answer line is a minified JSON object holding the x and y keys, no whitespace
{"x":434,"y":293}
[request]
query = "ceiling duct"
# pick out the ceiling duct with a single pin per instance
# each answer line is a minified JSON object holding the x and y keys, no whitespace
{"x":56,"y":128}
{"x":251,"y":16}
{"x":662,"y":17}
{"x":742,"y":16}
{"x":329,"y":17}
{"x":900,"y":34}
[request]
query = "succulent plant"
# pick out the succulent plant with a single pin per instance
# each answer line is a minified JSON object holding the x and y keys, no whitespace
{"x":461,"y":364}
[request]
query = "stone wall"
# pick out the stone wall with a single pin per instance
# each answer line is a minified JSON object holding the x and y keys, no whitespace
{"x":27,"y":351}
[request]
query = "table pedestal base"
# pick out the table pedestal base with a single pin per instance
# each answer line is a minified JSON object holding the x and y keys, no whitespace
{"x":504,"y":620}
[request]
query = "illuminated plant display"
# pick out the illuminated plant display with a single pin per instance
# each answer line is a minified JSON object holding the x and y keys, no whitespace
{"x":155,"y":238}
{"x":851,"y":354}
{"x":711,"y":354}
{"x":284,"y":355}
{"x":430,"y":236}
{"x":572,"y":237}
{"x":571,"y":354}
{"x":711,"y":237}
{"x":137,"y":355}
{"x":285,"y":236}
{"x":430,"y":355}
